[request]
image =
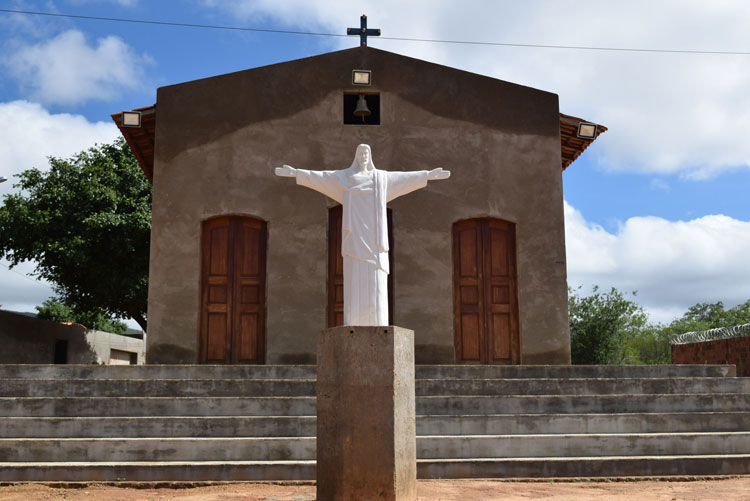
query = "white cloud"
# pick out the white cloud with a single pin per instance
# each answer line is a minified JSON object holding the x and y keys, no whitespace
{"x":35,"y":135}
{"x":666,"y":112}
{"x":67,"y":70}
{"x":19,"y":291}
{"x":672,"y":264}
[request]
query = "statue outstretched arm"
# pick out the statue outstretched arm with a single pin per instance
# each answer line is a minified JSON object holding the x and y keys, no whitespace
{"x":437,"y":174}
{"x":403,"y":182}
{"x":286,"y":171}
{"x":323,"y":181}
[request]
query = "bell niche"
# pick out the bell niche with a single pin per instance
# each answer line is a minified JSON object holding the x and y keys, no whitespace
{"x":361,"y":108}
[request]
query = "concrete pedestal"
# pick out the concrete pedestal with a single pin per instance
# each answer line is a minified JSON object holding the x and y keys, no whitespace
{"x":366,"y":414}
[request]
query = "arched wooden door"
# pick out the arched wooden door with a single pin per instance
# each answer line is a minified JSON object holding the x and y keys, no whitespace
{"x":233,"y":285}
{"x":485,"y":292}
{"x":335,"y":309}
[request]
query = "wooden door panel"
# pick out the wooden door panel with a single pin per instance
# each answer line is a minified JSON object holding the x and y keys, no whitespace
{"x":467,"y":248}
{"x":470,"y":340}
{"x":335,"y":307}
{"x":485,"y":305}
{"x":500,"y":335}
{"x":219,"y":244}
{"x":216,"y":294}
{"x":500,"y":294}
{"x":469,"y":295}
{"x":467,"y":301}
{"x":248,"y":252}
{"x":248,"y":337}
{"x":498,"y":252}
{"x":501,"y":282}
{"x":232,"y":290}
{"x":248,"y":310}
{"x":216,"y":336}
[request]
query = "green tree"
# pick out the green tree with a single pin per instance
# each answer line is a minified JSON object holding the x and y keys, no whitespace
{"x":705,"y":316}
{"x":52,"y":309}
{"x":86,"y":222}
{"x":601,"y":326}
{"x":650,"y":345}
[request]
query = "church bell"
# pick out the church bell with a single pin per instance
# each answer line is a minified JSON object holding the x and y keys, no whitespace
{"x":362,"y":110}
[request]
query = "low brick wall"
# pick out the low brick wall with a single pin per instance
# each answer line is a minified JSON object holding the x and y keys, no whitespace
{"x":722,"y":351}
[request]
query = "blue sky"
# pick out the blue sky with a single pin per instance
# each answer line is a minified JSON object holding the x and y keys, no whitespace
{"x":658,"y":204}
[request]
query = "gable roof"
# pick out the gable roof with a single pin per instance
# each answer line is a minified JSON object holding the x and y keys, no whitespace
{"x":141,"y":139}
{"x":520,"y":103}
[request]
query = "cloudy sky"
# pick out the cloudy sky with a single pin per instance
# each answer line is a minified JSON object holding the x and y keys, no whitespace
{"x":659,"y":204}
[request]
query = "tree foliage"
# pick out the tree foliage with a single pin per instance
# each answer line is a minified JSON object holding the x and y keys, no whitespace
{"x":86,"y":222}
{"x":656,"y":348}
{"x":608,"y":328}
{"x":52,"y":309}
{"x":600,"y":326}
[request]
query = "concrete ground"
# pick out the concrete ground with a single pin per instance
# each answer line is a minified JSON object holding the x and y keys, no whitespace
{"x":737,"y":488}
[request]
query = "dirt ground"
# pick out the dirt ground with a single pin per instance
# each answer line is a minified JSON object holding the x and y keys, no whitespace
{"x":464,"y":490}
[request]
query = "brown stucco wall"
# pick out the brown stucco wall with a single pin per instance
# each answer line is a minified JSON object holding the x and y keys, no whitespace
{"x":218,"y":140}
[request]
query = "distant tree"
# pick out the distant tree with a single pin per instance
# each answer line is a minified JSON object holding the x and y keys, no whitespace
{"x":52,"y":309}
{"x":705,"y":316}
{"x":601,"y":326}
{"x":86,"y":222}
{"x":608,"y":328}
{"x":652,"y":344}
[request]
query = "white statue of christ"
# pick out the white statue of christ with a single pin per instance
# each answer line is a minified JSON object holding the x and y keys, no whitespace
{"x":364,"y":192}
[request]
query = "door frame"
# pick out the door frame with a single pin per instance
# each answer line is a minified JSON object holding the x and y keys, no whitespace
{"x":484,"y":287}
{"x":203,"y":291}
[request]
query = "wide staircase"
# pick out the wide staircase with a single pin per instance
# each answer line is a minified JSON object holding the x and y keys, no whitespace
{"x":227,"y":423}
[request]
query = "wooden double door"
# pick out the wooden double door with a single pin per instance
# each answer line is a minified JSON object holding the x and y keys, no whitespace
{"x":485,"y":292}
{"x":233,"y":298}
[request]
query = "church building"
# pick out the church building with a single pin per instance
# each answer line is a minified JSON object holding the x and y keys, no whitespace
{"x":246,"y":267}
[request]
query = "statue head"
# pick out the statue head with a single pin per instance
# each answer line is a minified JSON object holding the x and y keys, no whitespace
{"x":363,"y":158}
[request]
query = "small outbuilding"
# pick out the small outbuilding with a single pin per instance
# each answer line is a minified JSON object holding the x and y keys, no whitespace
{"x":26,"y":339}
{"x":246,"y":267}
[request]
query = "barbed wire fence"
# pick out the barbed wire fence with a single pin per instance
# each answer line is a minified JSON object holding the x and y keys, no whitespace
{"x":711,"y":334}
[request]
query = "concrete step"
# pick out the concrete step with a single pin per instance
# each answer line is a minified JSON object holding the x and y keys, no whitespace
{"x":223,"y":471}
{"x":306,"y":387}
{"x":156,"y":406}
{"x":156,"y":449}
{"x":302,"y":426}
{"x":581,"y":445}
{"x":571,"y":371}
{"x":33,"y":371}
{"x":305,"y":406}
{"x":157,"y":387}
{"x":580,"y":386}
{"x":145,"y":427}
{"x":158,"y":471}
{"x":524,"y":424}
{"x":585,"y":467}
{"x":428,"y":447}
{"x":582,"y":404}
{"x":72,"y":371}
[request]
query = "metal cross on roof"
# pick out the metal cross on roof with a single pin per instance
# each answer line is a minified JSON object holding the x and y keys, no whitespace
{"x":362,"y":31}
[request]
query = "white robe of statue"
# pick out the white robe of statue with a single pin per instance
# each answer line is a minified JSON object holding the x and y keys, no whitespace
{"x":364,"y":191}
